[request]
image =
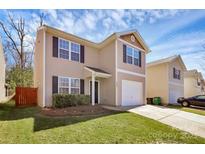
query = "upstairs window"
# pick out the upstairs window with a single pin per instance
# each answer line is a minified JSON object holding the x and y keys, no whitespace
{"x":198,"y":82}
{"x":69,"y":50}
{"x":129,"y":55}
{"x":176,"y":74}
{"x":75,"y":51}
{"x":133,"y":56}
{"x":136,"y":57}
{"x":63,"y":49}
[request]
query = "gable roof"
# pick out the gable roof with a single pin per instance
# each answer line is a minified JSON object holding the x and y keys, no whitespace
{"x":167,"y":60}
{"x":104,"y":42}
{"x":137,"y":35}
{"x":97,"y":70}
{"x":193,"y":73}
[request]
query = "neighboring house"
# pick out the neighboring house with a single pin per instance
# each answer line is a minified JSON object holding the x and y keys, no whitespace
{"x":65,"y":63}
{"x":193,"y":83}
{"x":165,"y":79}
{"x":2,"y":73}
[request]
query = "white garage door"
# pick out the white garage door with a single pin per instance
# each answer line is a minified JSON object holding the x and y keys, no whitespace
{"x":132,"y":93}
{"x":174,"y":93}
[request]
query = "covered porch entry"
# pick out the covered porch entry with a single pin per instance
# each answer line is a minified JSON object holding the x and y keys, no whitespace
{"x":94,"y":75}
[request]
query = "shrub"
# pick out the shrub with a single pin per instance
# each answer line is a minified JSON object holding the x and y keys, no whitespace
{"x":66,"y":100}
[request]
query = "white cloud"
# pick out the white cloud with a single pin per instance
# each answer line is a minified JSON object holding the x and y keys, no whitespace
{"x":51,"y":13}
{"x":182,"y":41}
{"x":107,"y":22}
{"x":169,"y":26}
{"x":90,"y":20}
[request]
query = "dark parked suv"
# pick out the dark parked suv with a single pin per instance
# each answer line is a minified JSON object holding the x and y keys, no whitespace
{"x":198,"y":100}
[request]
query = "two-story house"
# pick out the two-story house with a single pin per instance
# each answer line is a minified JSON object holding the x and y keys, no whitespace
{"x":2,"y":73}
{"x":111,"y":72}
{"x":193,"y":83}
{"x":165,"y":79}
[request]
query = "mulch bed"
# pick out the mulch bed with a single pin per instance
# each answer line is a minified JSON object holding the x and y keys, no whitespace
{"x":76,"y":111}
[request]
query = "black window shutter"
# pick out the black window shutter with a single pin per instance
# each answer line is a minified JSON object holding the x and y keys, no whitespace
{"x":55,"y":46}
{"x":82,"y":53}
{"x":55,"y":85}
{"x":174,"y":73}
{"x":140,"y":59}
{"x":179,"y":75}
{"x":82,"y":86}
{"x":124,"y":53}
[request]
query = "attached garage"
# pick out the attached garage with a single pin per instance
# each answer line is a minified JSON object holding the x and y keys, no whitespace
{"x":132,"y":93}
{"x":175,"y":91}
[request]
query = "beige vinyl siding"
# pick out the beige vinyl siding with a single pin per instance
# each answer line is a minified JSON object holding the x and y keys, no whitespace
{"x":190,"y":87}
{"x":38,"y":66}
{"x":129,"y":67}
{"x":66,"y":68}
{"x":157,"y":82}
{"x":177,"y":65}
{"x":99,"y":56}
{"x":107,"y":62}
{"x":176,"y":85}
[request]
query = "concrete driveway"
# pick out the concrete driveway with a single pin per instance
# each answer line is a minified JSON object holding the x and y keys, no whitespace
{"x":190,"y":122}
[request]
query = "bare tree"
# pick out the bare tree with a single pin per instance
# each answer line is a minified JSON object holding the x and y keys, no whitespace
{"x":42,"y":16}
{"x":15,"y":33}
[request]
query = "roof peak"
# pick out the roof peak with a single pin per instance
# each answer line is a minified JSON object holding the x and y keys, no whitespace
{"x":166,"y":60}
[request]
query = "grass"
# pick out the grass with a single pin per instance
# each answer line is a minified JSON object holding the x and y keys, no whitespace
{"x":189,"y":109}
{"x":27,"y":125}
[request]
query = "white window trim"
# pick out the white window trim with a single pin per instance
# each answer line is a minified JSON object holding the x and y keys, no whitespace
{"x":74,"y":87}
{"x":69,"y":50}
{"x":63,"y":48}
{"x":63,"y":86}
{"x":74,"y":51}
{"x":69,"y":88}
{"x":133,"y":57}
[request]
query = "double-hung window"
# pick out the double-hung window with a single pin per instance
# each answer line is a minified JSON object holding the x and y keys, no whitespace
{"x":132,"y":56}
{"x":63,"y":49}
{"x":63,"y":85}
{"x":176,"y":74}
{"x":136,"y":57}
{"x":75,"y":86}
{"x":129,"y":55}
{"x":75,"y":51}
{"x":67,"y":85}
{"x":69,"y":50}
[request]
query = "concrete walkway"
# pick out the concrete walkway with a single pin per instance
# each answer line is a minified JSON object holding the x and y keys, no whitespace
{"x":190,"y":122}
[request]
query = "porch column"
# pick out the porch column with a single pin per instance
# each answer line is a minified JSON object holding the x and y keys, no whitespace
{"x":93,"y":89}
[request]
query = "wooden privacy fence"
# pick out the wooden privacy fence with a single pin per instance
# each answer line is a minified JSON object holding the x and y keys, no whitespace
{"x":26,"y":96}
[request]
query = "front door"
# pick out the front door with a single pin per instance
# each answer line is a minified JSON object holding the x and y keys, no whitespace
{"x":96,"y":91}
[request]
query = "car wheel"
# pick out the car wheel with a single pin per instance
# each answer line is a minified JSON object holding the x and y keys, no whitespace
{"x":185,"y":103}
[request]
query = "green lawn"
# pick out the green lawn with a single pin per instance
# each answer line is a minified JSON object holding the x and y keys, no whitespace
{"x":189,"y":109}
{"x":27,"y":125}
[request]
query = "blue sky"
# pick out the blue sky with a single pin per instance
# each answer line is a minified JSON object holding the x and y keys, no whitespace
{"x":167,"y":32}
